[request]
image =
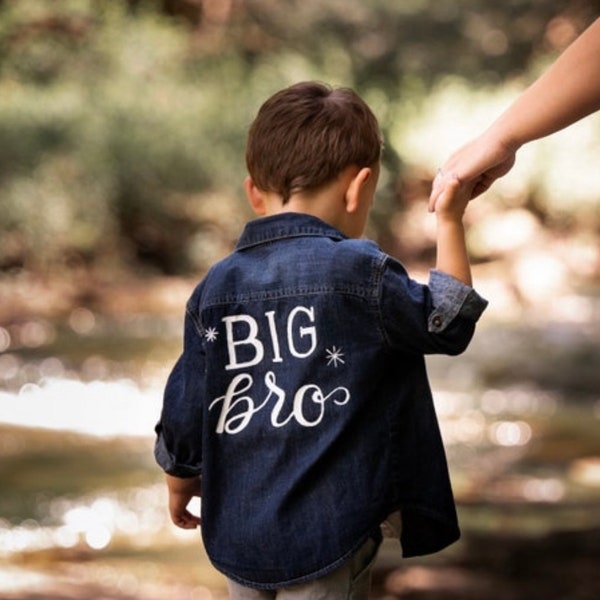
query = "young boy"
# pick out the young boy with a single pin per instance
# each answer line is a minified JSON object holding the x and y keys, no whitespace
{"x":301,"y":397}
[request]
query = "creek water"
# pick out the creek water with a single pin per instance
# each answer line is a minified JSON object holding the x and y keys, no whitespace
{"x":83,"y":507}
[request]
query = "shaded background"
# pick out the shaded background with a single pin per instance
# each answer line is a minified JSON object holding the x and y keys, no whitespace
{"x":122,"y":133}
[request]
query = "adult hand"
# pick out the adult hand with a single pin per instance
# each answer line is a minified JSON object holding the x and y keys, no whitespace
{"x":476,"y":165}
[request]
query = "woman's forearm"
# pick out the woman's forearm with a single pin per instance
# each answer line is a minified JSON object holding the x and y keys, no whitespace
{"x":568,"y":91}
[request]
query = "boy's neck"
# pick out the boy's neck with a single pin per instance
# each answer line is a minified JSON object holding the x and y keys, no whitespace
{"x":327,"y":203}
{"x":320,"y":205}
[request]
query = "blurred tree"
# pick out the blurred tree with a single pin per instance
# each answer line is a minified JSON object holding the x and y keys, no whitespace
{"x":120,"y":123}
{"x":386,"y":40}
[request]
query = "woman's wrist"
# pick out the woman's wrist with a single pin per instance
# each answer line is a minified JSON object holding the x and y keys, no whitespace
{"x":503,"y":139}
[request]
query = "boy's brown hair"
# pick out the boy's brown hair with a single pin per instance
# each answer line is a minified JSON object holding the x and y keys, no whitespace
{"x":305,"y":135}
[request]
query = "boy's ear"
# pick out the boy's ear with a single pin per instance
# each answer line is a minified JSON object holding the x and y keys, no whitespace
{"x":255,"y":196}
{"x":355,"y":188}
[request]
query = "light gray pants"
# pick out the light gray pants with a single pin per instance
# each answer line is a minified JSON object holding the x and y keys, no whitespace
{"x":351,"y":581}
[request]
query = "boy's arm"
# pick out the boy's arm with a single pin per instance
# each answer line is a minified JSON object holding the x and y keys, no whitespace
{"x":452,"y":256}
{"x":181,"y":491}
{"x":440,"y":317}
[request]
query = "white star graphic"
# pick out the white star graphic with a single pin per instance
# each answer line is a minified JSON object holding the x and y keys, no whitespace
{"x":334,"y":356}
{"x":211,"y":334}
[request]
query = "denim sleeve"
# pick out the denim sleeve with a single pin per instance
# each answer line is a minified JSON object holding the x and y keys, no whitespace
{"x":436,"y":318}
{"x":178,"y":447}
{"x":450,"y":298}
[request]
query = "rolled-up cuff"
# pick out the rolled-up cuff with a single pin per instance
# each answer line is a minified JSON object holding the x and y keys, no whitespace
{"x":452,"y":298}
{"x":168,"y":462}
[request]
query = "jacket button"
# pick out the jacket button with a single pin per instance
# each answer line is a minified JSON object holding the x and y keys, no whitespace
{"x":437,"y":321}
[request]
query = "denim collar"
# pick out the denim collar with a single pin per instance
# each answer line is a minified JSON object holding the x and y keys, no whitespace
{"x":285,"y":225}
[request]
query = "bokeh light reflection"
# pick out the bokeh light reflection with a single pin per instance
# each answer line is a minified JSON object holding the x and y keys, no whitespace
{"x":91,"y":525}
{"x":52,"y":367}
{"x":4,"y":339}
{"x":134,"y":517}
{"x":82,"y":321}
{"x":9,"y":367}
{"x":56,"y":403}
{"x":510,"y":433}
{"x":35,"y":334}
{"x":544,"y":490}
{"x":586,"y":471}
{"x":518,"y":401}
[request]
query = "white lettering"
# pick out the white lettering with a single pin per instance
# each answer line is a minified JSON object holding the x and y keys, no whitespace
{"x":238,"y":409}
{"x":251,"y":339}
{"x":239,"y":421}
{"x":274,"y":339}
{"x":271,"y":384}
{"x":317,"y":397}
{"x":311,"y":332}
{"x":237,"y":326}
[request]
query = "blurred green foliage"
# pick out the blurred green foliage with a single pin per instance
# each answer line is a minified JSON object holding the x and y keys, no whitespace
{"x":122,"y":123}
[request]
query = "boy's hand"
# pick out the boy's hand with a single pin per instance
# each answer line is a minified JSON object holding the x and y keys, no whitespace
{"x":452,"y":256}
{"x":453,"y":198}
{"x":181,"y":491}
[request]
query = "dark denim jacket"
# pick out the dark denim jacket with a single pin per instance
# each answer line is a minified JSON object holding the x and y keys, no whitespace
{"x":302,"y":399}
